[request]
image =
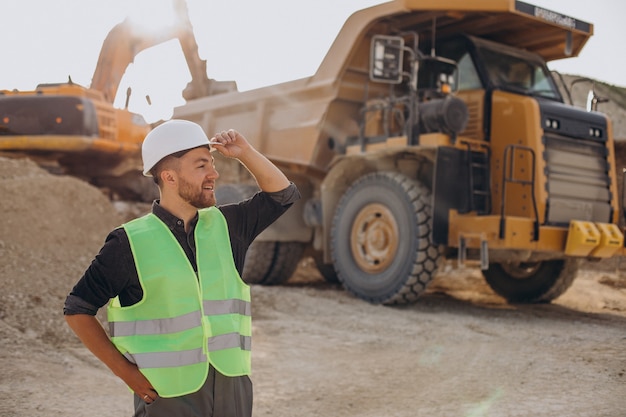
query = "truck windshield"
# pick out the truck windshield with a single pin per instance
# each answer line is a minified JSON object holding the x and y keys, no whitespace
{"x":518,"y":73}
{"x":488,"y":64}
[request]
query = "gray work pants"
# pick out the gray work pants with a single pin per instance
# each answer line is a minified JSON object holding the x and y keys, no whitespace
{"x":220,"y":396}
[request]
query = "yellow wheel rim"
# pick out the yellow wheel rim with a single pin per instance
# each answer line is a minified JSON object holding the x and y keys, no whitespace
{"x":374,"y":238}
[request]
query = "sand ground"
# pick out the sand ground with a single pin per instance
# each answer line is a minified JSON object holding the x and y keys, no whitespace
{"x":317,"y":350}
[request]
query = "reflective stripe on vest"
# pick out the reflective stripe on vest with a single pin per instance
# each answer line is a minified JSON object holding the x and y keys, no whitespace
{"x":184,"y":321}
{"x":189,"y":357}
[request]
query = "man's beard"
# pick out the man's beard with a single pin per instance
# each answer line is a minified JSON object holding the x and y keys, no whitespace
{"x":194,"y":196}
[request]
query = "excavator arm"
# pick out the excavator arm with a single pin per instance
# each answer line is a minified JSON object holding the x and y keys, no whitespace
{"x":125,"y":41}
{"x":118,"y":51}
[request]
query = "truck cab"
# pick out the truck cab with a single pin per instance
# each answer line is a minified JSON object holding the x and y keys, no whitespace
{"x":493,"y":80}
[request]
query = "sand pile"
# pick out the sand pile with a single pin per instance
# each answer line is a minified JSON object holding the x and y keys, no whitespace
{"x":51,"y":228}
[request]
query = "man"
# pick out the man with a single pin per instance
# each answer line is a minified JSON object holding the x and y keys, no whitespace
{"x":179,"y":313}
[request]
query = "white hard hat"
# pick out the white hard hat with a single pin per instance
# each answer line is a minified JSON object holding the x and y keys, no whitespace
{"x":168,"y":138}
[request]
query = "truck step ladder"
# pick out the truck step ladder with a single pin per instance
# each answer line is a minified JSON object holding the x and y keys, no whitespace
{"x":478,"y":175}
{"x":484,"y":250}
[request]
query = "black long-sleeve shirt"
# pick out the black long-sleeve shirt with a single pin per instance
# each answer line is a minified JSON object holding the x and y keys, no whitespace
{"x":113,"y":273}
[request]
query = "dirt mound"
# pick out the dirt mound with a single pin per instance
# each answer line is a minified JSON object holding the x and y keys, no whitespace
{"x":51,"y":228}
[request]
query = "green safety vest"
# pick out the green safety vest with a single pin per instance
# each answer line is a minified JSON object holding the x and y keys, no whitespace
{"x":184,"y":321}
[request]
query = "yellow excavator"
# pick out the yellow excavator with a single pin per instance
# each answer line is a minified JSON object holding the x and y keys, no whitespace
{"x":78,"y":131}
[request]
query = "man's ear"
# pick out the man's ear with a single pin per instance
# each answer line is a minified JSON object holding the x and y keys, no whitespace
{"x":168,"y":176}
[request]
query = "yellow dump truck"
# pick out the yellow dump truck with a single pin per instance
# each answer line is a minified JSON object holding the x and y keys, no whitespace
{"x":433,"y":131}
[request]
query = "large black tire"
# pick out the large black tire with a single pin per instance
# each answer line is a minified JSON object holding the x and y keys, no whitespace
{"x":326,"y":270}
{"x":532,"y":282}
{"x":259,"y":258}
{"x":271,"y":263}
{"x":267,"y":263}
{"x":381,"y":239}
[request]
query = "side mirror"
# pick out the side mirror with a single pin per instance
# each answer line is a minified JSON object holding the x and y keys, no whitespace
{"x":593,"y":100}
{"x":624,"y":195}
{"x":386,"y":59}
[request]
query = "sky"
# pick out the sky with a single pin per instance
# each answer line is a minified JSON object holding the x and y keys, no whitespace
{"x":253,"y":42}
